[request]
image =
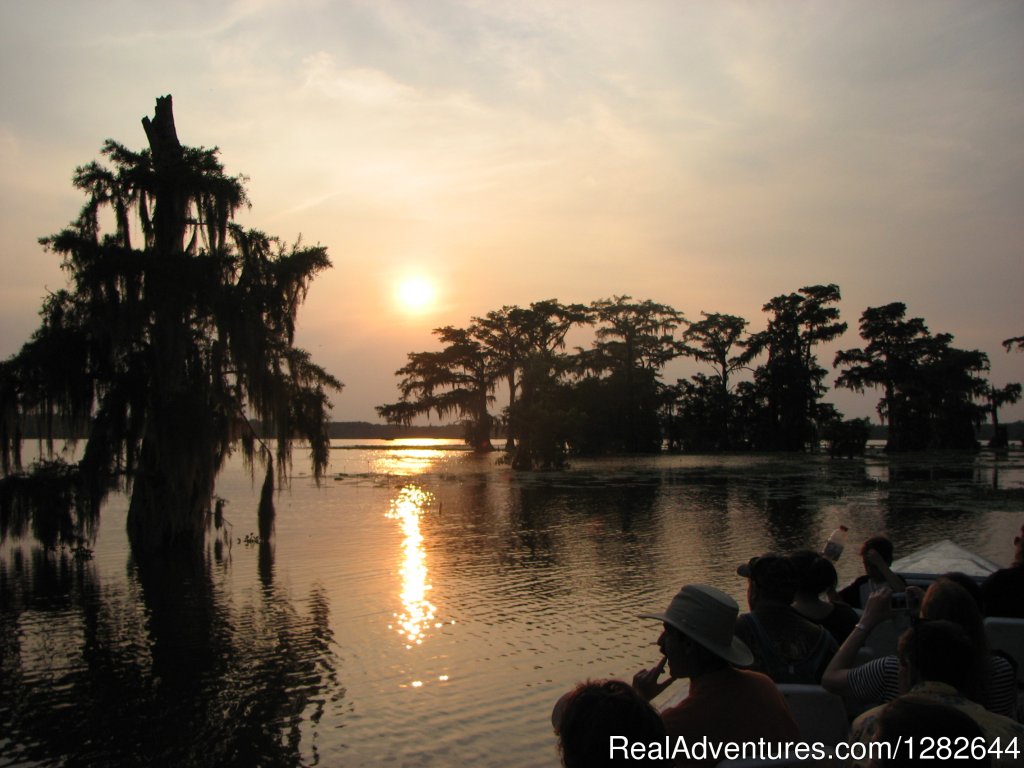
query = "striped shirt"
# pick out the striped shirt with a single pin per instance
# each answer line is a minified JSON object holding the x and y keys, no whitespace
{"x":878,"y":681}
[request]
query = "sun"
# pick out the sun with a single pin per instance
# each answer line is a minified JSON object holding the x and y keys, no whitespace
{"x":415,"y":294}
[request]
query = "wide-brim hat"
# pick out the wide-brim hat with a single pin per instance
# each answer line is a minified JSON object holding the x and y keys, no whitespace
{"x":708,"y":617}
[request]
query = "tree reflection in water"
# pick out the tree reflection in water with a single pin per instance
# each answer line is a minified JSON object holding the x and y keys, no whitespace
{"x":164,"y":671}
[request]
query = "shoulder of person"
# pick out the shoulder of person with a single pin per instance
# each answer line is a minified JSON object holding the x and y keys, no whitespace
{"x":809,"y":626}
{"x":1000,"y":665}
{"x":756,"y":679}
{"x":1011,"y":573}
{"x":846,"y":611}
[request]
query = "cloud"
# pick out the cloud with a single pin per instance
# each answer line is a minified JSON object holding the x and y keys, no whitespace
{"x":362,"y":85}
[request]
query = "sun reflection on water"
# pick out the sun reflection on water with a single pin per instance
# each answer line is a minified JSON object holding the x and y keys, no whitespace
{"x":418,"y":614}
{"x":410,"y":461}
{"x":412,"y":456}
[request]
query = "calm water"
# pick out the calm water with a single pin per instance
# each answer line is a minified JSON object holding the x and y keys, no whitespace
{"x":424,"y":607}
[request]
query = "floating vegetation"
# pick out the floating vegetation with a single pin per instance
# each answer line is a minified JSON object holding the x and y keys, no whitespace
{"x":78,"y":549}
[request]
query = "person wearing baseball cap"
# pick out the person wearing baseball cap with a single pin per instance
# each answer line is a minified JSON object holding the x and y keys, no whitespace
{"x":725,"y":704}
{"x":786,"y":646}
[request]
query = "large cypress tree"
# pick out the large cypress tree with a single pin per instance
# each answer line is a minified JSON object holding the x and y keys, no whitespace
{"x":175,"y":334}
{"x":791,"y":382}
{"x":929,"y":387}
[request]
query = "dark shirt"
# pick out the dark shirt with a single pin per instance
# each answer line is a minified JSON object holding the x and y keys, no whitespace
{"x":839,"y":622}
{"x":1003,"y":593}
{"x":786,"y":646}
{"x":850,"y":594}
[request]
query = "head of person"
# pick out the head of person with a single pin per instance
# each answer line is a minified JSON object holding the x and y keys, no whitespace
{"x":937,"y":651}
{"x":883,"y":547}
{"x":698,"y":635}
{"x":916,"y":718}
{"x":1018,"y":547}
{"x":813,"y":572}
{"x":947,"y":600}
{"x":591,"y":714}
{"x":970,"y":585}
{"x":771,"y":578}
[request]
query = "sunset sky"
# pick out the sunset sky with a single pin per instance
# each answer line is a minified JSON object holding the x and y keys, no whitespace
{"x":706,"y":155}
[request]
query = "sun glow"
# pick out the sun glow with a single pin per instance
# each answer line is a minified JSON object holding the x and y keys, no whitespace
{"x":415,"y":294}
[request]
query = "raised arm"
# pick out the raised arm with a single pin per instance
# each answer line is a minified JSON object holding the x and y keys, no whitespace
{"x":877,"y":610}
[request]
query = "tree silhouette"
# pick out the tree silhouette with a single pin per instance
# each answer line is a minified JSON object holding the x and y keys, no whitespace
{"x":702,"y":416}
{"x":462,"y":377}
{"x":890,"y":361}
{"x":632,"y":335}
{"x":787,"y":388}
{"x":1007,"y":395}
{"x":928,"y":385}
{"x":457,"y":380}
{"x":634,"y":340}
{"x":712,"y":341}
{"x":1016,"y":341}
{"x":177,"y":328}
{"x":543,"y":419}
{"x":515,"y":339}
{"x":997,"y":397}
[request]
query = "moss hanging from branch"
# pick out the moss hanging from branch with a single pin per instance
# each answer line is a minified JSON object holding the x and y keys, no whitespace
{"x":160,"y":350}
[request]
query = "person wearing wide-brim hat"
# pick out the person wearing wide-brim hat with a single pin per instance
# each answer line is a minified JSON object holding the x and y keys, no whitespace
{"x":725,"y":704}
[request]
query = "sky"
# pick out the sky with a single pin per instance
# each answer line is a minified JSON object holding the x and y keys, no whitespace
{"x":705,"y":155}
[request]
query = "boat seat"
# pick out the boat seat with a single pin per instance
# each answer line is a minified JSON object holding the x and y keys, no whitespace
{"x":820,"y":715}
{"x":1007,"y":635}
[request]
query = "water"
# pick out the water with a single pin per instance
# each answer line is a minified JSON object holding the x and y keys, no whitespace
{"x":425,"y":607}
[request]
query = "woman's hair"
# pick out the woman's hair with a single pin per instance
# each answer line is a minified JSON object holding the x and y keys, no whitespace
{"x":814,"y":573}
{"x":946,"y":599}
{"x":940,"y":651}
{"x":599,"y":709}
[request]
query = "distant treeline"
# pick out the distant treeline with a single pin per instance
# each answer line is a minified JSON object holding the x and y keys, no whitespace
{"x":365,"y":430}
{"x":1014,"y":431}
{"x":761,"y":391}
{"x":337,"y":430}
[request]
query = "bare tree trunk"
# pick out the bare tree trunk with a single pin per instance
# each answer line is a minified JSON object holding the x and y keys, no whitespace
{"x":172,"y":489}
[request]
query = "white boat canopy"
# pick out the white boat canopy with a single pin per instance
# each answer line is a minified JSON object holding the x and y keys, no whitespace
{"x":942,"y":557}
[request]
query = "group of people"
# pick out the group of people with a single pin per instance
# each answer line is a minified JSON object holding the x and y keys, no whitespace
{"x":941,"y":678}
